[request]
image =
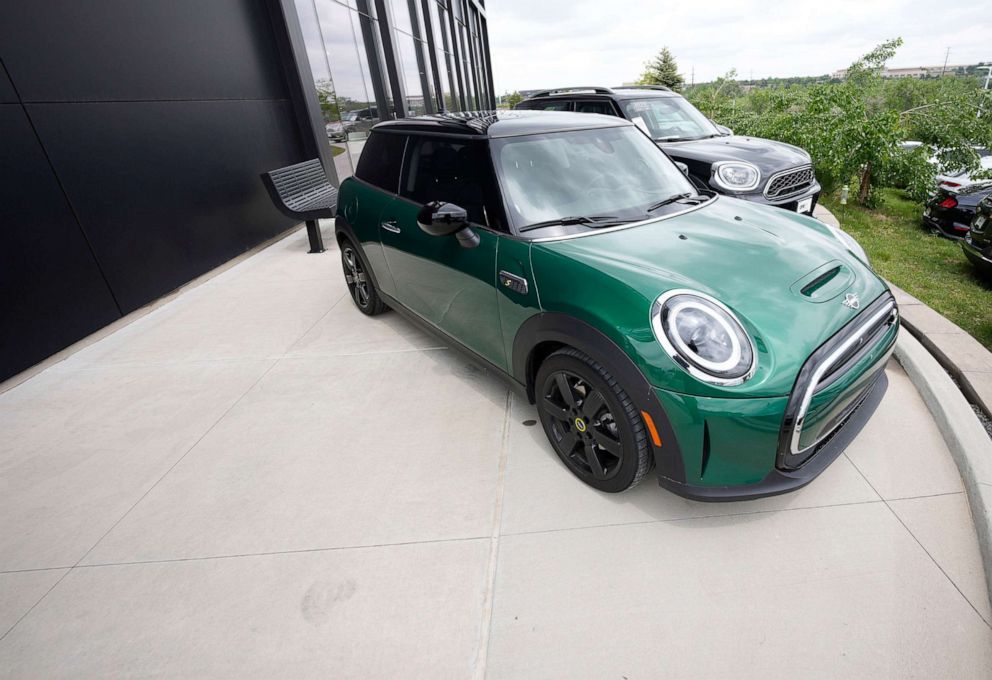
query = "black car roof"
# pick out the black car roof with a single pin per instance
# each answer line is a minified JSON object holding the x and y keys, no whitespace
{"x":494,"y":124}
{"x":623,"y":92}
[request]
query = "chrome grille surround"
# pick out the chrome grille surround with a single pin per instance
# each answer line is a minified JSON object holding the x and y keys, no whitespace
{"x":826,"y":365}
{"x":789,"y":182}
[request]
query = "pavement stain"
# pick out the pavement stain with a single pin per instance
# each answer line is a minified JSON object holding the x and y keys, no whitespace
{"x":322,"y":596}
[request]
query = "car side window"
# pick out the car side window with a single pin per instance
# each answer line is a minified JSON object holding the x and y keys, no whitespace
{"x":381,"y":159}
{"x":603,"y":107}
{"x":551,"y":105}
{"x":452,"y":171}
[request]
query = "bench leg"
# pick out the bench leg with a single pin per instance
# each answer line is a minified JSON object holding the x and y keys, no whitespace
{"x":316,"y":240}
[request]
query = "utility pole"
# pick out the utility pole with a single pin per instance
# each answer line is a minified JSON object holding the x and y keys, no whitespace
{"x":988,"y":74}
{"x":946,"y":55}
{"x":692,"y":82}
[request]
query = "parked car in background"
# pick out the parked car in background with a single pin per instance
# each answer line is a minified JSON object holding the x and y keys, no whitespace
{"x":977,"y":243}
{"x":337,"y":131}
{"x":950,"y":211}
{"x":960,"y":179}
{"x":733,"y":348}
{"x":751,"y":168}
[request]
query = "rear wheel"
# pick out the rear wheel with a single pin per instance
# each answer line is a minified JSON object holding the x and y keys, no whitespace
{"x":592,"y":423}
{"x":360,"y":285}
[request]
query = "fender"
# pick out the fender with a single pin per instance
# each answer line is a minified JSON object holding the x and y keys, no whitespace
{"x":549,"y":330}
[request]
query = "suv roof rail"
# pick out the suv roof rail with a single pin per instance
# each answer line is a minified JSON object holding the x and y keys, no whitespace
{"x":663,"y":88}
{"x":598,"y":89}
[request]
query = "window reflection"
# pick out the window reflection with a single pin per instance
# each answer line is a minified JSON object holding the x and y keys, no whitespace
{"x":343,"y":40}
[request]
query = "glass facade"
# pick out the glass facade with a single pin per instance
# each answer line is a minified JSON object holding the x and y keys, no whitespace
{"x":375,"y":60}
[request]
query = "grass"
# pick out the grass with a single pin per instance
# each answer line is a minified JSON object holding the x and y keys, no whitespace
{"x":928,"y":267}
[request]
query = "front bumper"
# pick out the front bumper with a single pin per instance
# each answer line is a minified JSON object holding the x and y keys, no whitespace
{"x":943,"y":221}
{"x":982,"y":260}
{"x":790,"y":202}
{"x":736,"y":449}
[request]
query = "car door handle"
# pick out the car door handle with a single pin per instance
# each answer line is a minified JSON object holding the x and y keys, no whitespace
{"x":391,"y":226}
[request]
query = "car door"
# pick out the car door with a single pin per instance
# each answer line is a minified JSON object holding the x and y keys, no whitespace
{"x":450,"y":286}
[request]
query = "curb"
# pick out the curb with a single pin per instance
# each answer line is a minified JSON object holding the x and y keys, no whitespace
{"x":964,"y":435}
{"x":968,"y":362}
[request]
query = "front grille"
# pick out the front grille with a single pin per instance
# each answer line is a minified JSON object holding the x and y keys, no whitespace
{"x":828,"y":363}
{"x":790,"y":182}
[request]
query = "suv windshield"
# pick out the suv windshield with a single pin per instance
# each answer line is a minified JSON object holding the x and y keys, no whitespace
{"x":593,"y":177}
{"x":669,"y":119}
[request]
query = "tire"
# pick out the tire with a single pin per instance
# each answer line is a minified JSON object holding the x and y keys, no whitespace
{"x":595,"y":428}
{"x":360,"y":284}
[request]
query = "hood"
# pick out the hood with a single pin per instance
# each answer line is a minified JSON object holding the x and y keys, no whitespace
{"x":784,"y":275}
{"x":768,"y":156}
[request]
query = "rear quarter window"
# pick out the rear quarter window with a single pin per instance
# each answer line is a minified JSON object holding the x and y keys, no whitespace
{"x":381,"y":160}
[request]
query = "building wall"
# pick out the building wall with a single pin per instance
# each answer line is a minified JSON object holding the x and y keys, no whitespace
{"x":133,"y":135}
{"x":372,"y":60}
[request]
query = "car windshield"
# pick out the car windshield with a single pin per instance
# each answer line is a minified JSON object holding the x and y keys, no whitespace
{"x":669,"y":119}
{"x":603,"y":175}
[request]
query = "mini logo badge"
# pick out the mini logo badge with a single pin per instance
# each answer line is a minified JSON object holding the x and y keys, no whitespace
{"x":851,"y":300}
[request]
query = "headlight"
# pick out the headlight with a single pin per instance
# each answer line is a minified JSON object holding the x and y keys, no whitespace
{"x":703,"y":337}
{"x":849,"y":243}
{"x":736,"y":175}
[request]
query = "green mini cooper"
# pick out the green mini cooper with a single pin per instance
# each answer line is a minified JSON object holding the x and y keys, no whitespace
{"x":734,"y":349}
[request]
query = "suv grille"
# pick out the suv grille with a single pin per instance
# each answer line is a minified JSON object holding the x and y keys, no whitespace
{"x":789,"y":182}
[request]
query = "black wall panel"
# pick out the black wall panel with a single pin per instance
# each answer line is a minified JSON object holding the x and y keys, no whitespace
{"x":168,"y":190}
{"x":126,"y":50}
{"x":130,"y":155}
{"x":7,"y":94}
{"x":51,"y":291}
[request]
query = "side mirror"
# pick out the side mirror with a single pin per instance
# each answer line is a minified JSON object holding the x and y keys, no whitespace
{"x":683,"y":167}
{"x":722,"y":129}
{"x":443,"y":219}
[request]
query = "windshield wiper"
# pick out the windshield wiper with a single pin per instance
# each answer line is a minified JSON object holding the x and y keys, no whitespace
{"x":598,"y":220}
{"x":676,"y":138}
{"x":666,"y":201}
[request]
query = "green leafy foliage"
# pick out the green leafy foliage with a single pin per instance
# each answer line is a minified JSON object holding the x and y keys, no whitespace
{"x":662,"y":70}
{"x":929,"y":267}
{"x":852,"y":128}
{"x":512,"y":99}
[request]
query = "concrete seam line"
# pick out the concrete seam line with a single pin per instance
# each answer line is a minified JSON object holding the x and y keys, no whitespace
{"x":485,"y":632}
{"x":964,"y":435}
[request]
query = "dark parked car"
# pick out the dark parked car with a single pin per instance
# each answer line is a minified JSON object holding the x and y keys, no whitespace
{"x":977,"y":243}
{"x":950,"y":211}
{"x":759,"y":170}
{"x":734,"y":348}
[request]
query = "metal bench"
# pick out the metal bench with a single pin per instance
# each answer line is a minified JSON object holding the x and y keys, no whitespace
{"x":304,"y":193}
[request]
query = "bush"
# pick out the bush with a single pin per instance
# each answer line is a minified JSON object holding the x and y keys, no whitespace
{"x":852,"y":128}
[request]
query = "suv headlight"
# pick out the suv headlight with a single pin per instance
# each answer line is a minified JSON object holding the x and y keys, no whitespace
{"x":703,"y":337}
{"x":736,"y":175}
{"x":848,"y":241}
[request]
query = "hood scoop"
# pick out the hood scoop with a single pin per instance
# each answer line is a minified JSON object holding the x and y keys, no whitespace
{"x":825,"y":282}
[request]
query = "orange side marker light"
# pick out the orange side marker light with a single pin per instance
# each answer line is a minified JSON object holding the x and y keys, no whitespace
{"x":651,"y":428}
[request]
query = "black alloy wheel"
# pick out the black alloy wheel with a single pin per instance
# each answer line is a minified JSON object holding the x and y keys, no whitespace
{"x":591,"y":422}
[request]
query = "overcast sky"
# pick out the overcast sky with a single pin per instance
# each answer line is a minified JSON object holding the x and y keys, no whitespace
{"x":554,"y":43}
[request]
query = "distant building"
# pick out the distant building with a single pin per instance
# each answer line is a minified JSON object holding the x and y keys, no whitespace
{"x":911,"y":72}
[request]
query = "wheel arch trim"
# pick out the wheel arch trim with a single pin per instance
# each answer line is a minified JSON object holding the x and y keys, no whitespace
{"x":550,"y":329}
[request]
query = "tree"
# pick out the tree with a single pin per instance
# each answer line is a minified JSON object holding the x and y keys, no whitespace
{"x":512,"y":99}
{"x":662,"y":70}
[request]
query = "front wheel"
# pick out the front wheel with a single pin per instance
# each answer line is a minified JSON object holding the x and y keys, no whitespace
{"x":592,"y":423}
{"x":360,"y":285}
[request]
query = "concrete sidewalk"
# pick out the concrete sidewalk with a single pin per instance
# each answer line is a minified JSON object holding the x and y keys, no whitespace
{"x":255,"y":480}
